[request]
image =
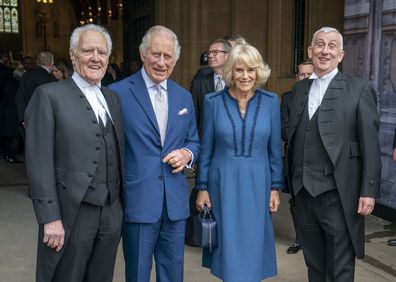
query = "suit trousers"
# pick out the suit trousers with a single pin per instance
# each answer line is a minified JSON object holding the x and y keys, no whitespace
{"x":163,"y":239}
{"x":91,"y":250}
{"x":322,"y":230}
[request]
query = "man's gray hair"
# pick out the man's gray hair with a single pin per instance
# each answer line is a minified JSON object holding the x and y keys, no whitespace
{"x":159,"y":30}
{"x":326,"y":30}
{"x":75,"y":37}
{"x":45,"y":59}
{"x":226,"y":44}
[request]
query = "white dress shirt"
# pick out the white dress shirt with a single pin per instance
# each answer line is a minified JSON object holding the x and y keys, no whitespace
{"x":152,"y":90}
{"x":317,"y":91}
{"x":95,"y":97}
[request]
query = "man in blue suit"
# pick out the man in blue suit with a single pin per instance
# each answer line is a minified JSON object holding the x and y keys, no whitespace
{"x":161,"y":140}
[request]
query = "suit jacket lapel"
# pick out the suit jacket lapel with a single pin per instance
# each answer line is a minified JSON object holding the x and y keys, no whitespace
{"x":209,"y":81}
{"x":139,"y":90}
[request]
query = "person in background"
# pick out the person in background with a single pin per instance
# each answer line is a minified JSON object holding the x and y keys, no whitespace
{"x":333,"y":160}
{"x":204,"y":67}
{"x":33,"y":78}
{"x":305,"y":70}
{"x":112,"y":75}
{"x":240,"y":169}
{"x":161,"y":140}
{"x":9,"y":134}
{"x":235,"y":39}
{"x":74,"y":160}
{"x":217,"y":56}
{"x":60,"y":70}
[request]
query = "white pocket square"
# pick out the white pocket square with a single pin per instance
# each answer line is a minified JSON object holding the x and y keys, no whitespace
{"x":182,"y":112}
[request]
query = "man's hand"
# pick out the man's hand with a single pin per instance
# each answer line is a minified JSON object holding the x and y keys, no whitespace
{"x":274,"y":201}
{"x":178,"y":159}
{"x":54,"y":235}
{"x":366,"y":205}
{"x":394,"y":154}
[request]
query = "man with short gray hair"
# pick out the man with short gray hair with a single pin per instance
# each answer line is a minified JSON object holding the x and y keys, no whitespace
{"x":333,"y":160}
{"x":161,"y":140}
{"x":32,"y":79}
{"x":74,"y":153}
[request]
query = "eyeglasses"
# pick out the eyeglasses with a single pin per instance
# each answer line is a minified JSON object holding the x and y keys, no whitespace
{"x":215,"y":52}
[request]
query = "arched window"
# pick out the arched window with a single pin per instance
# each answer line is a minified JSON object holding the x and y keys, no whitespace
{"x":9,"y":16}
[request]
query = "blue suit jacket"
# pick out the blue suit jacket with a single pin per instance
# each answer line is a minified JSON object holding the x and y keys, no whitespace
{"x":146,"y":176}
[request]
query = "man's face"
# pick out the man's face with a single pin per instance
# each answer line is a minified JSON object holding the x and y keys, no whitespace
{"x":325,"y":52}
{"x":28,"y":63}
{"x":90,"y":59}
{"x":304,"y":71}
{"x":159,"y":59}
{"x":217,"y":56}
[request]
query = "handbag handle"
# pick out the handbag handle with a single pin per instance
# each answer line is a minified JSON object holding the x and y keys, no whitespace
{"x":206,"y":212}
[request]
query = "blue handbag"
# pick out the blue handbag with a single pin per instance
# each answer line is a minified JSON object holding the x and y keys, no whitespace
{"x":205,"y":229}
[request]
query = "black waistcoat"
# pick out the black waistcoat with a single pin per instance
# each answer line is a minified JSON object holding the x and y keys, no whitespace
{"x":106,"y":181}
{"x":312,"y":168}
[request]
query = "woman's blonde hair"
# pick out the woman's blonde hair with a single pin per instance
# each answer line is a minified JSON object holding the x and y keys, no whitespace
{"x":249,"y":55}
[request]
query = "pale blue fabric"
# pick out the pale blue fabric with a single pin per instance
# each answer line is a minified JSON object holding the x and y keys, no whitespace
{"x":240,"y":163}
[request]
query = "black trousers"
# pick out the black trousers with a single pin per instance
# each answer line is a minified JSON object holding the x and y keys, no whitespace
{"x":91,"y":251}
{"x":322,"y":230}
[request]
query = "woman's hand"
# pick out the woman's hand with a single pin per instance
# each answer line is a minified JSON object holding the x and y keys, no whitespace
{"x":274,"y":201}
{"x":202,"y":199}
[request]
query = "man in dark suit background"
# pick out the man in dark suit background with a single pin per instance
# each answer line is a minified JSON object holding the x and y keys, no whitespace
{"x":33,"y":78}
{"x":161,"y":140}
{"x":74,"y":150}
{"x":304,"y":70}
{"x":333,"y":161}
{"x":202,"y":85}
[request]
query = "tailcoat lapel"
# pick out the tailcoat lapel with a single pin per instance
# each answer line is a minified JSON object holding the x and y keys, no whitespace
{"x":327,"y":119}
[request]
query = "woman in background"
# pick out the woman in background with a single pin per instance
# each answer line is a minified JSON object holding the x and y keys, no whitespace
{"x":240,"y":169}
{"x":60,"y":70}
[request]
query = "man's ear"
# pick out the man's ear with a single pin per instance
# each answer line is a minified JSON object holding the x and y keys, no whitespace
{"x":309,"y":50}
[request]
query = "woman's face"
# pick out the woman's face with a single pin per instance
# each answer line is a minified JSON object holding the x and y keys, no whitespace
{"x":57,"y":73}
{"x":244,"y":77}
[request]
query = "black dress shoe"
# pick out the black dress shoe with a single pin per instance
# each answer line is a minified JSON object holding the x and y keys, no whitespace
{"x":294,"y":248}
{"x":14,"y":161}
{"x":392,"y":242}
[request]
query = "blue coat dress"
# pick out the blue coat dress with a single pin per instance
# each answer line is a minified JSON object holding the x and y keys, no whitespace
{"x":240,"y":163}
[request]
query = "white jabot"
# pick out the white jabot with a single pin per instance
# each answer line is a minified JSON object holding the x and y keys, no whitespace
{"x":318,"y":90}
{"x":94,"y":96}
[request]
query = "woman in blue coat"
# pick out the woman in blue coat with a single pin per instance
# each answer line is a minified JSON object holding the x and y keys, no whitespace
{"x":240,"y":169}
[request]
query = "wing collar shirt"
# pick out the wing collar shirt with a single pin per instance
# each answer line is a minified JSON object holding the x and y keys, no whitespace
{"x":96,"y":101}
{"x":152,"y":91}
{"x":318,"y":89}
